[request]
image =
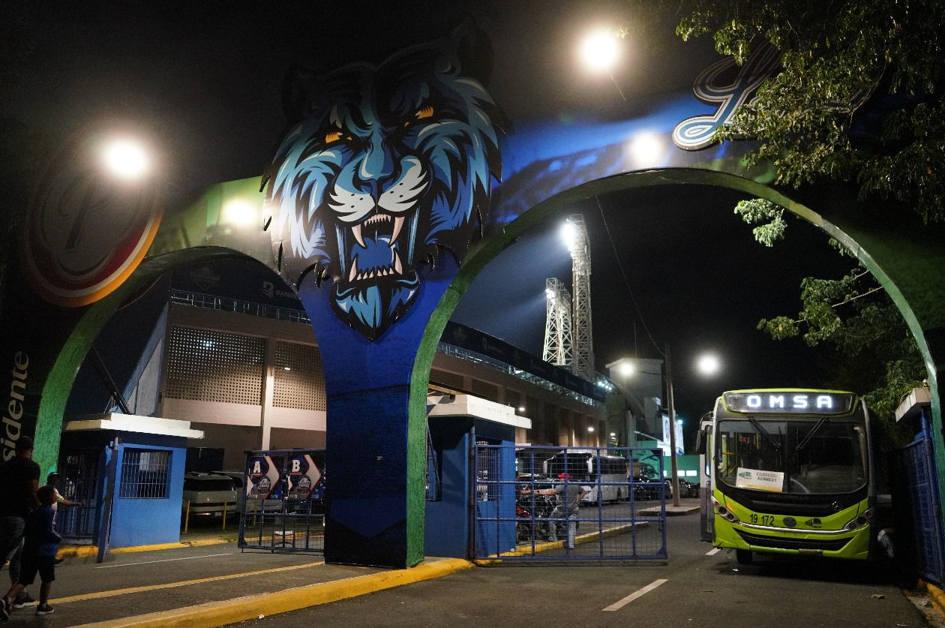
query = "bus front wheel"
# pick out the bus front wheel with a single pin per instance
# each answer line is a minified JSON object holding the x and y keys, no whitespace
{"x":744,"y":557}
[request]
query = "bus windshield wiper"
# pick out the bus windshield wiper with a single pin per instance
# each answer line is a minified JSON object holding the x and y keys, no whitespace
{"x":801,"y":445}
{"x":764,"y":433}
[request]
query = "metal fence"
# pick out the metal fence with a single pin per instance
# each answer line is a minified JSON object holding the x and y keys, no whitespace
{"x":917,"y":507}
{"x":79,"y":481}
{"x":282,"y":505}
{"x":559,"y":503}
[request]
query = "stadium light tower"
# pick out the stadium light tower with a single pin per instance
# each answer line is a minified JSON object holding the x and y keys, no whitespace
{"x":575,"y":235}
{"x":557,"y":349}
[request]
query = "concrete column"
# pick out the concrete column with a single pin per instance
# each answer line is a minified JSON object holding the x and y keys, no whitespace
{"x":268,"y":383}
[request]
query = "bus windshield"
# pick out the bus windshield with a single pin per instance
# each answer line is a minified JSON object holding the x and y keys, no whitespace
{"x":790,"y":455}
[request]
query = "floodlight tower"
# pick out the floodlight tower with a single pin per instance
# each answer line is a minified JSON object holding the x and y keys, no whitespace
{"x":575,"y":234}
{"x":557,"y":323}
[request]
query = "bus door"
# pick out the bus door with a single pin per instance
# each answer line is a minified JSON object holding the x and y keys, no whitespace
{"x":706,"y":511}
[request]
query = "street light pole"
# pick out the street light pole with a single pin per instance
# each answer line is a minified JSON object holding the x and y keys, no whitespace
{"x":672,"y":428}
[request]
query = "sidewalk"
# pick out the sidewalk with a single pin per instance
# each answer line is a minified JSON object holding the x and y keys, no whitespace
{"x":687,"y":506}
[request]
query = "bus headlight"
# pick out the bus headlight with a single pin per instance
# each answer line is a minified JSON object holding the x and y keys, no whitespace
{"x":727,"y":514}
{"x":860,"y":521}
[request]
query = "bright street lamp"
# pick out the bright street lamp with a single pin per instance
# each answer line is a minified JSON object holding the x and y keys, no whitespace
{"x":126,"y":159}
{"x":707,"y":365}
{"x":600,"y":51}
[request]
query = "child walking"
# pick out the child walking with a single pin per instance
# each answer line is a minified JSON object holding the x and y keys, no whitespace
{"x":39,"y":554}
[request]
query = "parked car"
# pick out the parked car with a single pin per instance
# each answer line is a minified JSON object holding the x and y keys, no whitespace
{"x":208,"y":494}
{"x":688,"y":489}
{"x":645,"y":488}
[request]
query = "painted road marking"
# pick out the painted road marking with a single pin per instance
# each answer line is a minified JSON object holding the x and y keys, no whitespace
{"x":618,"y":605}
{"x":165,"y":560}
{"x":170,"y":585}
{"x":713,"y":551}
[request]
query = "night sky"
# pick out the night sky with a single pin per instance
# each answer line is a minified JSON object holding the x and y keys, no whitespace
{"x":700,"y":281}
{"x":203,"y":81}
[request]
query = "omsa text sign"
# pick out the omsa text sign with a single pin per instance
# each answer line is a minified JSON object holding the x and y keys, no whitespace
{"x":788,"y":402}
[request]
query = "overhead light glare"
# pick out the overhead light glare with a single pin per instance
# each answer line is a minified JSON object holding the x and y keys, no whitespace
{"x":126,"y":159}
{"x":600,"y":50}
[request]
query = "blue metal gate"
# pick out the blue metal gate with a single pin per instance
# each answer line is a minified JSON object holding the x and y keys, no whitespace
{"x":80,"y":480}
{"x":282,"y":505}
{"x":916,"y":484}
{"x":561,"y":503}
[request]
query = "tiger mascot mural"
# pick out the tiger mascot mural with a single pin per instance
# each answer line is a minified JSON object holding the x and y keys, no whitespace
{"x":382,"y":166}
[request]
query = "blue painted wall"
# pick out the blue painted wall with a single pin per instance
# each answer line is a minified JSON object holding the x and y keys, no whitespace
{"x":447,"y":530}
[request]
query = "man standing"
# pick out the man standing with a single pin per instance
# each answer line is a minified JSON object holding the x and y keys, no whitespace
{"x":569,"y":506}
{"x":19,"y":481}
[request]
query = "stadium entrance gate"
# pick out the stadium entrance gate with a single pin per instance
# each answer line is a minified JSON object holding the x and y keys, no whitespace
{"x":564,"y":503}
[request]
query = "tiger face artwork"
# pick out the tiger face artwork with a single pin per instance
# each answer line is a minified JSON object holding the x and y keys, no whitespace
{"x":381,"y":167}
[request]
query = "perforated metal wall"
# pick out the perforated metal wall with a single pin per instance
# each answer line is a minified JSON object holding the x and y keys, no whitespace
{"x":445,"y":378}
{"x":485,"y":390}
{"x":298,"y":378}
{"x":208,"y":365}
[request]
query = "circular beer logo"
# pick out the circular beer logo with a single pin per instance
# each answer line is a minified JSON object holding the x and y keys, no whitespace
{"x":87,"y":231}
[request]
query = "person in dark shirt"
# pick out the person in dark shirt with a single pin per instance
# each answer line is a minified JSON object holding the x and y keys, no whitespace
{"x":39,"y":554}
{"x":19,"y":481}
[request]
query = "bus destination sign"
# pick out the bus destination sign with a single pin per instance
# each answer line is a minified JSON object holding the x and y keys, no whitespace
{"x":788,"y":402}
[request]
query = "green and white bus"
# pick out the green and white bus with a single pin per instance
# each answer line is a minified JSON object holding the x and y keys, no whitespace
{"x":789,"y":471}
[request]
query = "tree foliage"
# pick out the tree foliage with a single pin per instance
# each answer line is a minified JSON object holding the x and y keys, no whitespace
{"x":768,"y":216}
{"x":859,"y":98}
{"x":872,"y":348}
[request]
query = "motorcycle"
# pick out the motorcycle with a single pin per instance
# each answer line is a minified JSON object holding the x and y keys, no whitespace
{"x":531,"y":513}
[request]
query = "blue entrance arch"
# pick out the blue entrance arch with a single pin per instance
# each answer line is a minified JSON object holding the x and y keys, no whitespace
{"x":425,"y":122}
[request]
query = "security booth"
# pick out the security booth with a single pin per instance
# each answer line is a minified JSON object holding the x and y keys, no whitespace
{"x":456,"y":524}
{"x":128,"y":471}
{"x":918,"y":543}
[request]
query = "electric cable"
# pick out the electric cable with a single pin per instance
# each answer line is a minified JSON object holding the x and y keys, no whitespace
{"x":626,"y":282}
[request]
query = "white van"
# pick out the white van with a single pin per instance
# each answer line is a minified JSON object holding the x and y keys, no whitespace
{"x":208,"y":493}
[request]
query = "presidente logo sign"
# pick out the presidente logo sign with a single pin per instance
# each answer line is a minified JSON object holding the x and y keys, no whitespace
{"x":382,"y":166}
{"x":86,"y":232}
{"x":727,"y":87}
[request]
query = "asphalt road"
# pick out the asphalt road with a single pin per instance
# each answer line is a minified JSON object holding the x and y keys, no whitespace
{"x":133,"y":584}
{"x":691,"y":589}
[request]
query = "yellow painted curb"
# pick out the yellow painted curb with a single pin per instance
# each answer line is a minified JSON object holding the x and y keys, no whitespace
{"x":544,"y":546}
{"x":85,"y":551}
{"x":936,"y":595}
{"x":213,"y":614}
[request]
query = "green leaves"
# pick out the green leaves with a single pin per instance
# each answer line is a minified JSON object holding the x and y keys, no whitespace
{"x":771,"y":217}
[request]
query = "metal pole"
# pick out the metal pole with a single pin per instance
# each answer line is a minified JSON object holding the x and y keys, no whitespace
{"x":672,"y":428}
